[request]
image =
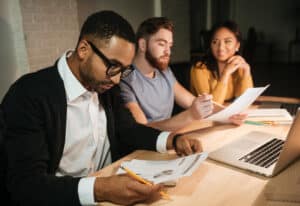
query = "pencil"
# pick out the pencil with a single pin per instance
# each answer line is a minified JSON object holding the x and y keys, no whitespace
{"x":140,"y":179}
{"x":218,"y":104}
{"x":277,"y":122}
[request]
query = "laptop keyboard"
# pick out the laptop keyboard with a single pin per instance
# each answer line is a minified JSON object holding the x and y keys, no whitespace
{"x":291,"y":108}
{"x":265,"y":155}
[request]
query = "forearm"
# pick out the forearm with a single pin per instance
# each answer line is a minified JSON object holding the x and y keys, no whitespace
{"x":174,"y":123}
{"x":183,"y":97}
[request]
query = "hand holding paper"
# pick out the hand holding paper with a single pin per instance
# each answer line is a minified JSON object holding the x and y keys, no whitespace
{"x":239,"y":105}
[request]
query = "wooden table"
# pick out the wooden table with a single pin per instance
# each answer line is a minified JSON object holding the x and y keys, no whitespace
{"x":289,"y":100}
{"x":214,"y":183}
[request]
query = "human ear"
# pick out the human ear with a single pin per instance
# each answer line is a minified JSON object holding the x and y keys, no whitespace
{"x":82,"y":49}
{"x":142,"y":44}
{"x":238,"y":47}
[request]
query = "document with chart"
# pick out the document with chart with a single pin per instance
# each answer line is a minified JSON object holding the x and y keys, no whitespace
{"x":239,"y":105}
{"x":161,"y":171}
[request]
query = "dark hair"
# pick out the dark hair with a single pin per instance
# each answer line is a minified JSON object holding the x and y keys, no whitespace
{"x":105,"y":24}
{"x":152,"y":25}
{"x":208,"y":59}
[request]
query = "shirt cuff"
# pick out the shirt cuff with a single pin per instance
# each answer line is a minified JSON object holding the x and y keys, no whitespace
{"x":86,"y":191}
{"x":161,"y":143}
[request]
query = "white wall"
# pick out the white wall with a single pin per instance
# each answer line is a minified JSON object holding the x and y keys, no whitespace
{"x":13,"y":56}
{"x":136,"y":11}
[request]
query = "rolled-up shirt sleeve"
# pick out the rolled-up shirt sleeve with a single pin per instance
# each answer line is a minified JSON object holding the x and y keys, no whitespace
{"x":86,"y":191}
{"x":161,"y":143}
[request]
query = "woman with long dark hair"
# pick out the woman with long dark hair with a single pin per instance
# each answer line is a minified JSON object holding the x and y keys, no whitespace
{"x":222,"y":72}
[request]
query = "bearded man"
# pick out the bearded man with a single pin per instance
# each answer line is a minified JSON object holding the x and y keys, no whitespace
{"x":150,"y":91}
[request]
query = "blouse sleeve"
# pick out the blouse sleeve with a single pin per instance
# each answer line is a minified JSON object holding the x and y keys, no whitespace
{"x":202,"y":81}
{"x":199,"y":81}
{"x":242,"y":83}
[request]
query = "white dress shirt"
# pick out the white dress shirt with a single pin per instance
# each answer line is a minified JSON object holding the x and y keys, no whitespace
{"x":86,"y":147}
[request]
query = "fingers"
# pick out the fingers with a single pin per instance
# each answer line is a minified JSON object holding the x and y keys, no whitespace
{"x":205,"y":96}
{"x":141,"y":192}
{"x":238,"y":62}
{"x":202,"y":106}
{"x":122,"y":189}
{"x":187,"y":145}
{"x":197,"y":146}
{"x":236,"y":59}
{"x":238,"y":119}
{"x":141,"y":189}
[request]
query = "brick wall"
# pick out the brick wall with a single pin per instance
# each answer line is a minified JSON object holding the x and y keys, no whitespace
{"x":50,"y":28}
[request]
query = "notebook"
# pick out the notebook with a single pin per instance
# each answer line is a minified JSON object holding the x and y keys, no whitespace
{"x":260,"y":152}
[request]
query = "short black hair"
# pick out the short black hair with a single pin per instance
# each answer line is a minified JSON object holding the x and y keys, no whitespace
{"x":103,"y":25}
{"x":152,"y":25}
{"x":230,"y":25}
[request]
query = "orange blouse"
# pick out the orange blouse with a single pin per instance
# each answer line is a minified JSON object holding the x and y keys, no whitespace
{"x":203,"y":81}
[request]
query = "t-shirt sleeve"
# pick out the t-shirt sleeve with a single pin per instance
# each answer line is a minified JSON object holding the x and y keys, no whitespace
{"x":170,"y":75}
{"x":127,"y":93}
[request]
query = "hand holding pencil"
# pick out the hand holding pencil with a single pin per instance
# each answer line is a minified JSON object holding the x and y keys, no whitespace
{"x":140,"y":179}
{"x":202,"y":106}
{"x":124,"y":190}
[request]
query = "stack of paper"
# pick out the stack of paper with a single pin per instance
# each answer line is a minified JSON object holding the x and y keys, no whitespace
{"x":276,"y":115}
{"x":161,"y":171}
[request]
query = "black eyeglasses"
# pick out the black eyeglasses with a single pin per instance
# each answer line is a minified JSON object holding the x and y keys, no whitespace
{"x":113,"y":68}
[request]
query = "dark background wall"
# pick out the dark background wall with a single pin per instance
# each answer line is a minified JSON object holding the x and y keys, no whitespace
{"x":274,"y":47}
{"x":47,"y":28}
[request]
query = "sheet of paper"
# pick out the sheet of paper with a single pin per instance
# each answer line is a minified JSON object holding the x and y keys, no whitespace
{"x":164,"y":170}
{"x":239,"y":105}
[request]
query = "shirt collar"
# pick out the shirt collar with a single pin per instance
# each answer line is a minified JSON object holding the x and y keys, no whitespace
{"x":73,"y":87}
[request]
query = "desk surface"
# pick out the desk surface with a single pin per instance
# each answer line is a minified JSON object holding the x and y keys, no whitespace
{"x":214,"y":183}
{"x":288,"y":100}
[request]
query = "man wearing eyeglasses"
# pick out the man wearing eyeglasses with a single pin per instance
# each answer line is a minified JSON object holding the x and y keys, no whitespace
{"x":66,"y":121}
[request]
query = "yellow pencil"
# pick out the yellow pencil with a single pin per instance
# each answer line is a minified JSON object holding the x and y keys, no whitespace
{"x":140,"y":179}
{"x":218,"y":104}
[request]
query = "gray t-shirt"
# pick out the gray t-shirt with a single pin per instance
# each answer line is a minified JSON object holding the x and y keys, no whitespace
{"x":155,"y":95}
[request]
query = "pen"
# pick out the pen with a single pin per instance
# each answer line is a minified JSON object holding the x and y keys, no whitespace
{"x":140,"y":179}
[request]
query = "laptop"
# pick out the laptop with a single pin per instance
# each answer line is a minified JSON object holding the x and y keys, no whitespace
{"x":261,"y":152}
